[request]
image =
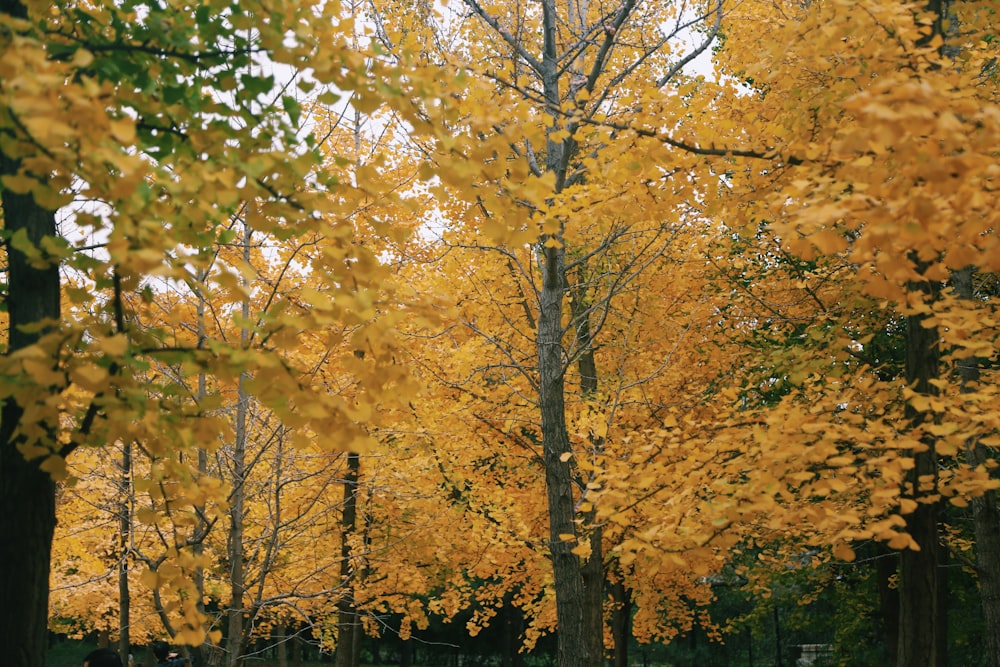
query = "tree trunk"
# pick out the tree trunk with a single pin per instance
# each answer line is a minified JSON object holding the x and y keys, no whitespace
{"x":204,"y":653}
{"x":281,"y":644}
{"x":593,"y":590}
{"x":348,"y":652}
{"x":593,"y":568}
{"x":237,"y":565}
{"x":568,"y":577}
{"x":621,"y":622}
{"x":986,"y":517}
{"x":27,"y":493}
{"x":886,"y":567}
{"x":124,"y":539}
{"x":919,"y":601}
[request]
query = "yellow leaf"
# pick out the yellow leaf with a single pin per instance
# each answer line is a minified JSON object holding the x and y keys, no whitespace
{"x":82,"y":58}
{"x":18,"y":183}
{"x":89,"y":376}
{"x":113,"y":346}
{"x":55,"y":466}
{"x":149,"y":579}
{"x":123,"y":130}
{"x":843,"y":552}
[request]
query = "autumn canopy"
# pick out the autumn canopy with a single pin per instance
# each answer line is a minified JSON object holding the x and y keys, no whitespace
{"x":578,"y":327}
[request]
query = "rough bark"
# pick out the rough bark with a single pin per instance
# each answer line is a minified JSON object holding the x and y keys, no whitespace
{"x":237,"y":575}
{"x":919,"y":601}
{"x":567,"y":571}
{"x":985,"y":515}
{"x":203,"y":654}
{"x":27,"y":494}
{"x":568,"y":578}
{"x":237,"y":561}
{"x":621,"y":622}
{"x":349,"y":630}
{"x":593,"y":569}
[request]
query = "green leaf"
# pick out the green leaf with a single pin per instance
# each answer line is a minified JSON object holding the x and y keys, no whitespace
{"x":292,"y":108}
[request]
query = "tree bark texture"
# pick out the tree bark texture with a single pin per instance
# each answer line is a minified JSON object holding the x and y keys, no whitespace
{"x":349,"y":630}
{"x":27,"y":493}
{"x":920,"y":605}
{"x":621,"y":622}
{"x":568,"y":578}
{"x":985,"y":515}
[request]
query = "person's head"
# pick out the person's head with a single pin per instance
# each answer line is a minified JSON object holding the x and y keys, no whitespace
{"x":160,"y":649}
{"x":102,"y":657}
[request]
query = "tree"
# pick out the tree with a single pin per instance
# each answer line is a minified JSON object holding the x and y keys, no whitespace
{"x":552,"y":177}
{"x":887,"y":171}
{"x":122,"y":106}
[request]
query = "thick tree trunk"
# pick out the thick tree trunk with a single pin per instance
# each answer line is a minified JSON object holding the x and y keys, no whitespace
{"x":349,"y":631}
{"x":621,"y":622}
{"x":281,"y":640}
{"x":27,"y":522}
{"x":986,"y":520}
{"x":27,"y":494}
{"x":920,"y":605}
{"x":887,"y":567}
{"x":593,"y":590}
{"x":986,"y":517}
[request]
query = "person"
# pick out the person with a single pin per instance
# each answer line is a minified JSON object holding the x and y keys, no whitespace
{"x":102,"y":657}
{"x":164,"y":657}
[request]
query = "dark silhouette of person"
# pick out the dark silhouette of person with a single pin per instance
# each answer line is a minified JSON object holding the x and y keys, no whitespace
{"x":102,"y":657}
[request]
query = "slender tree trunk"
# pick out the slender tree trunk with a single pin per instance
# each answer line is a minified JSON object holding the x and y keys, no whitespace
{"x":593,"y":568}
{"x":204,"y":652}
{"x":986,"y":518}
{"x":237,"y":565}
{"x":919,"y":590}
{"x":124,"y":543}
{"x":348,"y":653}
{"x":27,"y":494}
